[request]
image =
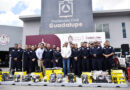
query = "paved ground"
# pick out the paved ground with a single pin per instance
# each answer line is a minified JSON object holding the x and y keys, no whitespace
{"x":7,"y":87}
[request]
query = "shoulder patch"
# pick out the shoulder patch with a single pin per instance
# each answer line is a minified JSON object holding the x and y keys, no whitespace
{"x":110,"y":47}
{"x":13,"y":50}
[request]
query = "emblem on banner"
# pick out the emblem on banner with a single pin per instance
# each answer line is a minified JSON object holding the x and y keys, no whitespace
{"x":4,"y":39}
{"x":66,"y":8}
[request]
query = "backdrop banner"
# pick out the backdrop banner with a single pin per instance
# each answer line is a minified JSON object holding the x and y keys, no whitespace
{"x":60,"y":39}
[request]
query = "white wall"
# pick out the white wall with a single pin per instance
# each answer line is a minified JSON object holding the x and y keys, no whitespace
{"x":30,"y":28}
{"x":115,"y":26}
{"x":14,"y":34}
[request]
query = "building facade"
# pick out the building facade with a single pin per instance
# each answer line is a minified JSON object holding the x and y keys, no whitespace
{"x":9,"y":35}
{"x":115,"y":24}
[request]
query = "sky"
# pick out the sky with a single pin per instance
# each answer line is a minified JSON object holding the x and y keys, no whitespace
{"x":10,"y":10}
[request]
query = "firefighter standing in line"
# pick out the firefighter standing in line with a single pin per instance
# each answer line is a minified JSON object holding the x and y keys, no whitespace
{"x":26,"y":60}
{"x":54,"y":47}
{"x":48,"y":57}
{"x":71,"y":58}
{"x":20,"y":54}
{"x":90,"y":45}
{"x":14,"y":59}
{"x":57,"y":58}
{"x":96,"y":53}
{"x":33,"y":59}
{"x":85,"y":58}
{"x":76,"y":60}
{"x":108,"y":53}
{"x":53,"y":50}
{"x":81,"y":48}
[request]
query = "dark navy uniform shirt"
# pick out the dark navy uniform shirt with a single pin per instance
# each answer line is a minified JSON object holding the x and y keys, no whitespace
{"x":26,"y":59}
{"x":14,"y":53}
{"x":96,"y":50}
{"x":47,"y":54}
{"x":57,"y":55}
{"x":32,"y":55}
{"x":85,"y":52}
{"x":20,"y":54}
{"x":76,"y":53}
{"x":108,"y":50}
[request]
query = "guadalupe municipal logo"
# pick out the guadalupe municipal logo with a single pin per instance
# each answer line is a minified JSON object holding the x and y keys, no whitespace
{"x":4,"y":39}
{"x":66,"y":8}
{"x":70,"y":39}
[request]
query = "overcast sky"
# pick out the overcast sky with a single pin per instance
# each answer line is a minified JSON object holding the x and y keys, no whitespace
{"x":10,"y":10}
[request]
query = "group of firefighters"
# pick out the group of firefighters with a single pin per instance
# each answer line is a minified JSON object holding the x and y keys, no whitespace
{"x":88,"y":57}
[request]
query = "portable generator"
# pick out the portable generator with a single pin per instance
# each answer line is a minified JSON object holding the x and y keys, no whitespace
{"x":118,"y":76}
{"x":0,"y":75}
{"x":59,"y":78}
{"x":6,"y":76}
{"x":36,"y":78}
{"x":84,"y":79}
{"x":26,"y":78}
{"x":52,"y":78}
{"x":17,"y":78}
{"x":101,"y":79}
{"x":58,"y":71}
{"x":71,"y":78}
{"x":19,"y":75}
{"x":48,"y":72}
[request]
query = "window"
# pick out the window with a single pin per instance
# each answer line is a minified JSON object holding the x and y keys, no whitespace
{"x":99,"y":28}
{"x":103,"y":28}
{"x":124,"y":30}
{"x":106,"y":30}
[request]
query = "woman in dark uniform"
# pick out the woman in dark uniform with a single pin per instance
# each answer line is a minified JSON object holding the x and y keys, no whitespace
{"x":26,"y":60}
{"x":33,"y":59}
{"x":57,"y":58}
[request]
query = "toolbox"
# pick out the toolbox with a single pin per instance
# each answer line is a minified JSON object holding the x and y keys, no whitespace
{"x":20,"y":75}
{"x":37,"y":75}
{"x":89,"y":76}
{"x":0,"y":75}
{"x":118,"y":77}
{"x":48,"y":72}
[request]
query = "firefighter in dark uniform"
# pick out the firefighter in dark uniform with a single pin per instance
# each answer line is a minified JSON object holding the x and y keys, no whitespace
{"x":48,"y":57}
{"x":76,"y":60}
{"x":53,"y":50}
{"x":57,"y":58}
{"x":20,"y":54}
{"x":54,"y":47}
{"x":33,"y":59}
{"x":26,"y":59}
{"x":85,"y":58}
{"x":81,"y":48}
{"x":71,"y":58}
{"x":96,"y":53}
{"x":90,"y":45}
{"x":14,"y":58}
{"x":108,"y":53}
